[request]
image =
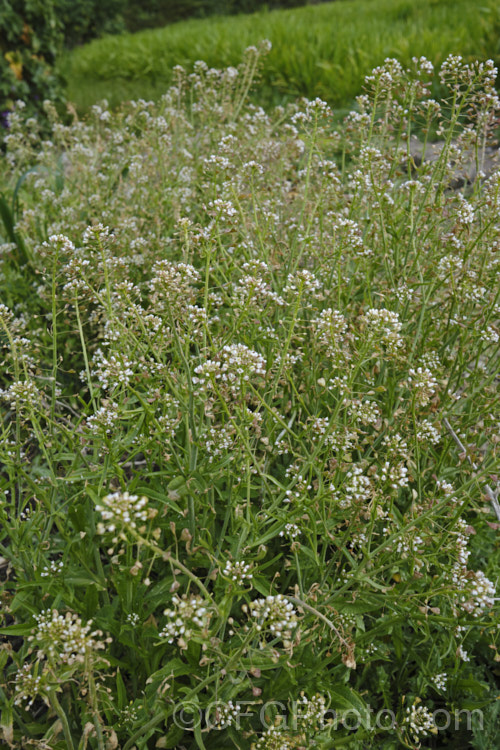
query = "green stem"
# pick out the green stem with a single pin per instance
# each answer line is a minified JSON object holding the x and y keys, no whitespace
{"x":174,"y":561}
{"x":54,"y":338}
{"x":62,"y":718}
{"x":84,"y":351}
{"x":95,"y":710}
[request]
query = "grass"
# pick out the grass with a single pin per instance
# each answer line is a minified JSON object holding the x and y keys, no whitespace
{"x":248,"y":396}
{"x":324,"y":50}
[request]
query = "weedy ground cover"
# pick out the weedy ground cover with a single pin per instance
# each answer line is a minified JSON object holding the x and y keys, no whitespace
{"x":324,"y":50}
{"x":239,"y":351}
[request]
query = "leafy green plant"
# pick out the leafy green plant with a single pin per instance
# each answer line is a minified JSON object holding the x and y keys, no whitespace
{"x":30,"y":39}
{"x":249,"y":398}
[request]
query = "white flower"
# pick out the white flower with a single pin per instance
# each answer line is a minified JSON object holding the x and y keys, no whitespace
{"x":237,"y":364}
{"x":383,"y":326}
{"x":419,"y":720}
{"x":423,"y":384}
{"x":65,"y":638}
{"x":104,"y":419}
{"x":440,"y":680}
{"x":122,"y":508}
{"x":311,"y":712}
{"x":331,"y":327}
{"x":275,"y":615}
{"x":465,"y":212}
{"x":52,"y":569}
{"x":291,"y":531}
{"x":238,"y":571}
{"x":21,"y":394}
{"x":226,"y":713}
{"x":188,"y":614}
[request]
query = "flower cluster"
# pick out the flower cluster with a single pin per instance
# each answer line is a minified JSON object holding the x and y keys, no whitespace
{"x":237,"y":364}
{"x":479,"y":592}
{"x":396,"y":474}
{"x":384,"y":326}
{"x":111,"y":371}
{"x":386,"y":76}
{"x":23,"y":394}
{"x":104,"y":419}
{"x":428,"y":433}
{"x":302,"y":282}
{"x":273,"y":739}
{"x":64,"y":638}
{"x":423,"y":384}
{"x":238,"y":571}
{"x":448,"y":266}
{"x":440,"y":680}
{"x":356,"y":488}
{"x":188,"y":615}
{"x":171,"y":417}
{"x":314,"y":109}
{"x":331,"y":327}
{"x":291,"y":531}
{"x":366,"y":412}
{"x":418,"y":721}
{"x":173,"y":285}
{"x":412,"y":548}
{"x":476,"y":593}
{"x":311,"y":712}
{"x":122,"y":508}
{"x":465,"y":212}
{"x":133,"y":619}
{"x":28,"y":684}
{"x":253,"y":288}
{"x":218,"y":440}
{"x":53,"y":568}
{"x":275,"y":615}
{"x":461,"y":544}
{"x":226,"y":714}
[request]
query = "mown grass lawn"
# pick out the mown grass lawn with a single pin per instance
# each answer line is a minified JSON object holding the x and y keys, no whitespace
{"x":323,"y":50}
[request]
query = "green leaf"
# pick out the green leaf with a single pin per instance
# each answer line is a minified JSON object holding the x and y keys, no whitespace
{"x":121,"y":691}
{"x":21,"y":629}
{"x":173,"y":737}
{"x":199,"y":738}
{"x":343,"y":699}
{"x":22,"y":179}
{"x":4,"y":658}
{"x":398,"y":640}
{"x":283,"y":684}
{"x":262,"y":588}
{"x":471,"y":705}
{"x":471,"y":685}
{"x":7,"y":217}
{"x":83,"y":581}
{"x":173,"y":668}
{"x":7,"y":725}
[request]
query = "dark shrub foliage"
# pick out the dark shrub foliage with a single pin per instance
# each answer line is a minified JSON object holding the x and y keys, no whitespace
{"x":85,"y":19}
{"x":30,"y":38}
{"x":139,"y":14}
